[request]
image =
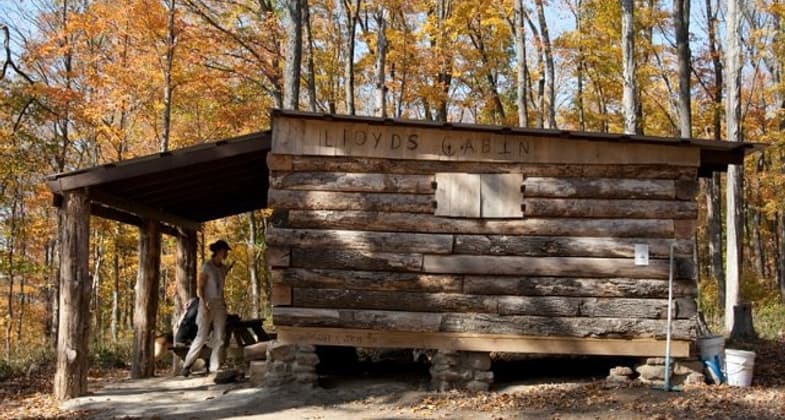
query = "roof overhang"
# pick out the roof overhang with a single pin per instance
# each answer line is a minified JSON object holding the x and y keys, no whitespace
{"x":181,"y":188}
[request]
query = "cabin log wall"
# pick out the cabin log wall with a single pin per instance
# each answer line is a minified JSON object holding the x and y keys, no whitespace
{"x":361,"y":247}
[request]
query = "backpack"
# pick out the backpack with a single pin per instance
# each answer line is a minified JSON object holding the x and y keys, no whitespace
{"x":186,"y":326}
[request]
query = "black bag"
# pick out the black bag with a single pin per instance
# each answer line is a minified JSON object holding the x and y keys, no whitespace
{"x":186,"y":326}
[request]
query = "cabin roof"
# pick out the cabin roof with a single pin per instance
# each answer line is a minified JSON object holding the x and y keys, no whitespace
{"x":192,"y":185}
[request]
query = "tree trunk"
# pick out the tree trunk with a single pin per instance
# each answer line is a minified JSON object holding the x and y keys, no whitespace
{"x":550,"y":91}
{"x":311,"y":68}
{"x":681,"y":19}
{"x":73,"y":358}
{"x":444,"y":76}
{"x":520,"y":57}
{"x":380,"y":106}
{"x":352,"y":14}
{"x":10,"y":273}
{"x":293,"y":54}
{"x":253,"y":266}
{"x":185,"y":271}
{"x":146,"y":300}
{"x":733,"y":221}
{"x":781,"y":278}
{"x":629,"y":99}
{"x":743,"y":328}
{"x":97,"y":260}
{"x":579,"y":66}
{"x":116,"y":291}
{"x":166,"y":118}
{"x":713,"y":198}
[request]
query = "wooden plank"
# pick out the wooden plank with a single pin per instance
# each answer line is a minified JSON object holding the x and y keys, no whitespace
{"x":481,"y":342}
{"x":367,"y":280}
{"x":684,"y":228}
{"x":142,"y":210}
{"x":501,"y":195}
{"x":277,"y":162}
{"x":430,"y":167}
{"x":551,"y":187}
{"x":682,"y":329}
{"x":353,"y":182}
{"x":396,"y":300}
{"x":328,"y":200}
{"x":277,"y":257}
{"x":571,"y":286}
{"x":294,"y":135}
{"x":686,"y":189}
{"x":555,"y":266}
{"x":413,"y":222}
{"x":359,"y":260}
{"x":281,"y":295}
{"x":556,"y":306}
{"x":591,"y":307}
{"x":552,"y":246}
{"x":611,"y":208}
{"x":361,"y":240}
{"x":457,"y":195}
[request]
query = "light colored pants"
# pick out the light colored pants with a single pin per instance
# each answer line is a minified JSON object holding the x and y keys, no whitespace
{"x":215,"y":317}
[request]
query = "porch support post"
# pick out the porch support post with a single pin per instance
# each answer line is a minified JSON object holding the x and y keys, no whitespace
{"x":184,"y":279}
{"x":76,"y":284}
{"x":146,"y":301}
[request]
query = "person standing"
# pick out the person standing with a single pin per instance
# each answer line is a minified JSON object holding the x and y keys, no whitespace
{"x":212,"y":308}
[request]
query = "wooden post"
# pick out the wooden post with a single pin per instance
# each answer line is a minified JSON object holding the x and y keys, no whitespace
{"x":72,"y":339}
{"x":146,"y":302}
{"x":184,"y":278}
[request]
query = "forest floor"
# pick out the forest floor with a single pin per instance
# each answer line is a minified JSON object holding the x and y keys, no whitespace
{"x":571,"y":388}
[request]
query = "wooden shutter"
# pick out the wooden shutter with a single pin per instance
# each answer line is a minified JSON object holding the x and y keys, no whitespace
{"x":500,"y":195}
{"x":458,"y":194}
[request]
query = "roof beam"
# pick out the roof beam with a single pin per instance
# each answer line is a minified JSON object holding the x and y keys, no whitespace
{"x":142,"y":210}
{"x":127,"y":218}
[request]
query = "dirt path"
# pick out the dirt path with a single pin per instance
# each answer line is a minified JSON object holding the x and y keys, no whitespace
{"x":406,"y":398}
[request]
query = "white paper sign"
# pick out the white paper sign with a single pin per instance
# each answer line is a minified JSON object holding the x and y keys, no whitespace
{"x":641,"y":254}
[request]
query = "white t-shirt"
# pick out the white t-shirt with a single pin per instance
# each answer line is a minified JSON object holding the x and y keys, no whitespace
{"x":214,"y":288}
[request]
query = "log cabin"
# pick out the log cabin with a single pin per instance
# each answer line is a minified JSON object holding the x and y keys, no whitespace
{"x":414,"y":234}
{"x":395,"y":233}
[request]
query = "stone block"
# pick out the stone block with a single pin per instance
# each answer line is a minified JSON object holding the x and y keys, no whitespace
{"x":477,"y":386}
{"x":618,"y":379}
{"x":651,"y":372}
{"x":257,"y":368}
{"x":483,"y":375}
{"x":306,"y":378}
{"x":621,"y":371}
{"x":655,"y":361}
{"x":687,"y":367}
{"x":306,"y":348}
{"x":281,"y":352}
{"x":695,"y":378}
{"x":309,"y":358}
{"x":479,"y":361}
{"x":298,"y":367}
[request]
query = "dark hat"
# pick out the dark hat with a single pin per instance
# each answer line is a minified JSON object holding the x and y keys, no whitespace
{"x":219,"y":245}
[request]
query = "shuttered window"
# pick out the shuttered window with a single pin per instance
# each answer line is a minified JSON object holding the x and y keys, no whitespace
{"x":479,"y":195}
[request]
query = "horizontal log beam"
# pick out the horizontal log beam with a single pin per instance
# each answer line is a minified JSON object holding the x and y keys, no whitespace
{"x":360,"y":260}
{"x":550,"y":187}
{"x":556,"y":266}
{"x":328,"y":200}
{"x":481,"y":342}
{"x":427,"y":223}
{"x":424,"y":167}
{"x":625,"y":209}
{"x":505,"y":305}
{"x":367,"y":280}
{"x":571,"y":286}
{"x":360,"y":240}
{"x":142,"y":210}
{"x":353,"y":182}
{"x":551,"y":246}
{"x":397,"y":301}
{"x":682,"y":329}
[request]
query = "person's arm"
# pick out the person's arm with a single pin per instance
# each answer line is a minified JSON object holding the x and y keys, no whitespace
{"x":201,"y":283}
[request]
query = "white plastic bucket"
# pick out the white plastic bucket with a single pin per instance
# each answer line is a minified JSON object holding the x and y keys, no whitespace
{"x":740,"y":365}
{"x":711,"y":347}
